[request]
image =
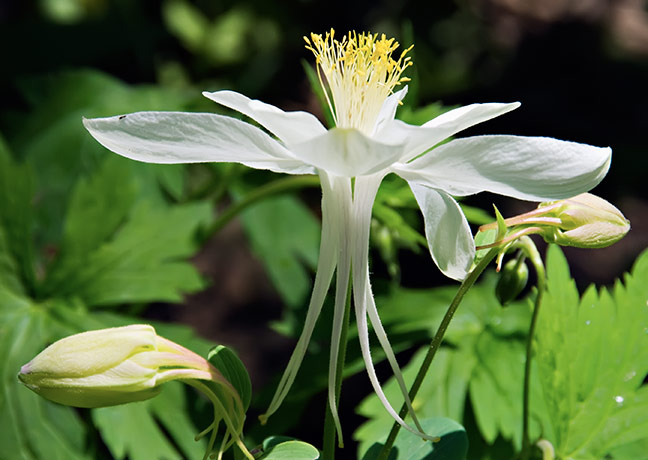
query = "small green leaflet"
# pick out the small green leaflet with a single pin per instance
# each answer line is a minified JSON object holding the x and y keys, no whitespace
{"x":284,"y":448}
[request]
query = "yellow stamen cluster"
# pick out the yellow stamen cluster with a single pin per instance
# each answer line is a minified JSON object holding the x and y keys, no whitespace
{"x":360,"y":72}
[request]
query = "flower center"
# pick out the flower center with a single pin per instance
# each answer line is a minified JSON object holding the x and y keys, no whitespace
{"x":360,"y":72}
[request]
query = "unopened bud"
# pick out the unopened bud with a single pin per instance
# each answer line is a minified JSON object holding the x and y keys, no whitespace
{"x":512,"y":280}
{"x":111,"y":366}
{"x":584,"y":221}
{"x":587,"y":221}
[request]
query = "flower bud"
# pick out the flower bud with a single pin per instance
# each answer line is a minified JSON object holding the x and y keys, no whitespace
{"x":587,"y":221}
{"x":512,"y":280}
{"x":110,"y":366}
{"x":584,"y":221}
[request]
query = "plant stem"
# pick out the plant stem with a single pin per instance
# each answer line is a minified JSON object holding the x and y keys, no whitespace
{"x":536,"y":260}
{"x":328,"y":452}
{"x":273,"y":188}
{"x":436,"y":343}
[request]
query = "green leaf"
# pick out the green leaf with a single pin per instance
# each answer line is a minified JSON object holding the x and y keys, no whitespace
{"x":52,"y":139}
{"x":285,"y":235}
{"x":443,"y":394}
{"x":16,"y":250}
{"x":452,"y":446}
{"x":232,"y":368}
{"x":33,"y":428}
{"x":97,"y":207}
{"x":593,"y":359}
{"x":141,"y":263}
{"x":288,"y":450}
{"x":131,"y":430}
{"x":484,"y":362}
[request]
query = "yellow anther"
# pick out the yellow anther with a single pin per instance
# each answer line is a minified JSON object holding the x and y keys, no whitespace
{"x":360,"y":74}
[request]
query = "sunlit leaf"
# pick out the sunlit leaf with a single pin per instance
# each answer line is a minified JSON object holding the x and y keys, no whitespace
{"x":593,"y":359}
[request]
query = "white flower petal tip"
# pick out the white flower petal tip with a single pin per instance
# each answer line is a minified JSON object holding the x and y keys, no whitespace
{"x":472,"y":114}
{"x":290,"y":127}
{"x":180,"y":137}
{"x":347,"y":152}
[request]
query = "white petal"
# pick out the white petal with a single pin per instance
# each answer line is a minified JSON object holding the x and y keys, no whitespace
{"x":528,"y":168}
{"x":179,"y":137}
{"x":347,"y":153}
{"x":447,"y":232}
{"x":290,"y":127}
{"x":423,"y":138}
{"x":388,"y":110}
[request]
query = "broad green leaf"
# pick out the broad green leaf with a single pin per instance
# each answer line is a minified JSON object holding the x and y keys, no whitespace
{"x":288,"y":450}
{"x":453,"y":444}
{"x":143,"y":262}
{"x":284,"y":234}
{"x":232,"y":368}
{"x":592,"y":359}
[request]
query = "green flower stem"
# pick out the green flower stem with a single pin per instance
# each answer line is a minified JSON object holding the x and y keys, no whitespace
{"x":536,"y":260}
{"x":436,"y":343}
{"x":273,"y":188}
{"x":328,"y":452}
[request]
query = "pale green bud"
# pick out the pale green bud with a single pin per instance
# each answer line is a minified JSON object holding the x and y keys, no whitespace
{"x":586,"y":221}
{"x":111,"y":366}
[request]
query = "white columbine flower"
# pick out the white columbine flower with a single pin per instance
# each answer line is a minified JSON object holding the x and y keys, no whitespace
{"x":367,"y":143}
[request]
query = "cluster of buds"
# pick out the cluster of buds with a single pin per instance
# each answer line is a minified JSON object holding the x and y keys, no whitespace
{"x":584,"y":221}
{"x":126,"y":364}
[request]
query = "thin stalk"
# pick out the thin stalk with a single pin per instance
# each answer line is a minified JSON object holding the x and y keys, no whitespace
{"x":435,"y":345}
{"x":328,"y":452}
{"x":273,"y":188}
{"x":536,"y":261}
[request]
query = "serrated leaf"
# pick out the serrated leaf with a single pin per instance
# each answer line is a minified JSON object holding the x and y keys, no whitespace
{"x":131,"y":431}
{"x":232,"y":368}
{"x":284,"y":234}
{"x":53,"y":141}
{"x":593,"y":358}
{"x":141,"y":263}
{"x":97,"y":207}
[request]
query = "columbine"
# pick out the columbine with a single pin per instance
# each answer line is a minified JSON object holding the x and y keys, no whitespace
{"x":359,"y":73}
